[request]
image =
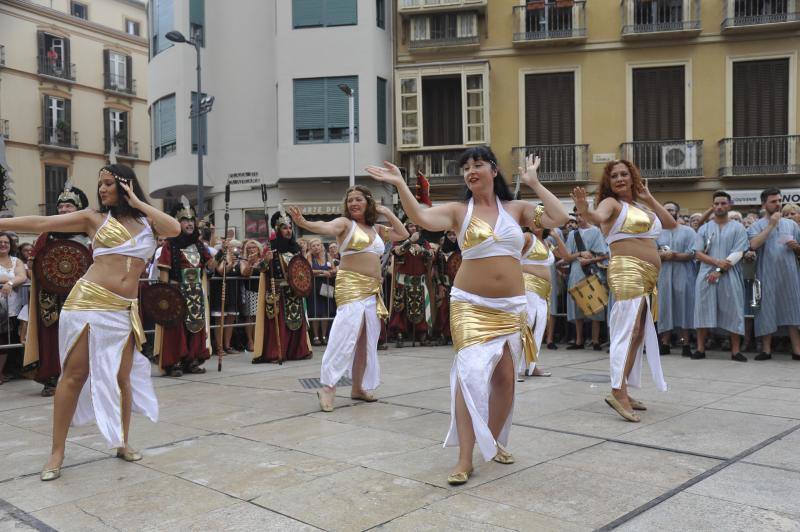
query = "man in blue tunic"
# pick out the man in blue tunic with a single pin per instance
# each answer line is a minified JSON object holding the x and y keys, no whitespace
{"x":586,"y":246}
{"x":775,"y":239}
{"x":719,"y":288}
{"x":676,"y":283}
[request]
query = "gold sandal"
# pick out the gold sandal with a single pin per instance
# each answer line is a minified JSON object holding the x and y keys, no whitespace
{"x":364,"y":396}
{"x":325,"y":407}
{"x":129,"y":455}
{"x":636,"y":405}
{"x":616,"y":405}
{"x":50,"y":474}
{"x":457,"y":479}
{"x":503,"y":456}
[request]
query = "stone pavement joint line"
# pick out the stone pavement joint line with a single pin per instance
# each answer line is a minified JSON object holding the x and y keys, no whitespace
{"x":692,"y":481}
{"x":23,"y":517}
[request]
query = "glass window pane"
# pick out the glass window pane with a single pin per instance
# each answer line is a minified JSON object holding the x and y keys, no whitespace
{"x":475,"y":133}
{"x":475,"y":116}
{"x":409,"y":103}
{"x":475,"y":99}
{"x":408,"y":86}
{"x":410,"y":120}
{"x":410,"y":136}
{"x":475,"y":81}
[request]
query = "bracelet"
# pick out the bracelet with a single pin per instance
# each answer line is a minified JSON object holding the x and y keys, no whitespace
{"x":538,"y":212}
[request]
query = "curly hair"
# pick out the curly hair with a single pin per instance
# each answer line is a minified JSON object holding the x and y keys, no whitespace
{"x":370,"y":213}
{"x":122,"y":209}
{"x":605,"y":191}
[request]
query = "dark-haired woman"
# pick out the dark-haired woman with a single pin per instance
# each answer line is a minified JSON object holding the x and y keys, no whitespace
{"x":488,"y":308}
{"x":631,"y":220}
{"x":353,"y":342}
{"x":99,"y":330}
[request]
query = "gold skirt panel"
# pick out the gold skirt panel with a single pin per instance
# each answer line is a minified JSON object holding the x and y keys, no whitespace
{"x":631,"y":278}
{"x":88,"y":295}
{"x":473,"y":324}
{"x":352,"y":287}
{"x":537,"y":285}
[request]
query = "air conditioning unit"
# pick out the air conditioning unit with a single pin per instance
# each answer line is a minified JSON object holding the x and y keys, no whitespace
{"x":679,"y":156}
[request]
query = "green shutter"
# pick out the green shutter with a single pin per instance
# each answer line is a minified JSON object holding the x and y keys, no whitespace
{"x":337,"y":104}
{"x":307,"y":13}
{"x":381,"y":111}
{"x":309,"y":104}
{"x":197,"y":12}
{"x":341,"y":12}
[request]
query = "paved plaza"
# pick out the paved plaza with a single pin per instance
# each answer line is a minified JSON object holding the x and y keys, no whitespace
{"x":248,"y":449}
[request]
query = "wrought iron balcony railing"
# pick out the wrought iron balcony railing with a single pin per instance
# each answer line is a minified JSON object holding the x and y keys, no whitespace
{"x":648,"y":17}
{"x":56,"y":68}
{"x":753,"y":13}
{"x":432,"y":6}
{"x":444,"y":41}
{"x":775,"y":155}
{"x":439,"y":167}
{"x":554,"y":20}
{"x":5,"y":128}
{"x":665,"y":158}
{"x":125,"y":148}
{"x":561,"y":163}
{"x":58,"y":137}
{"x":116,"y":83}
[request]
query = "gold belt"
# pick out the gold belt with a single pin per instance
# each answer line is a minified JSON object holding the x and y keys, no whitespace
{"x":474,"y":324}
{"x":87,"y":295}
{"x":352,"y":287}
{"x":537,"y":285}
{"x":631,"y":277}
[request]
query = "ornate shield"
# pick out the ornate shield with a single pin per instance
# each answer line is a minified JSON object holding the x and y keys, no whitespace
{"x":60,"y":264}
{"x":164,"y":304}
{"x":453,"y":264}
{"x":300,"y":276}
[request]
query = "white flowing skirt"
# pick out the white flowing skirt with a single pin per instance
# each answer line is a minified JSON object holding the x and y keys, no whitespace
{"x":538,"y":311}
{"x":473,"y":368}
{"x":622,"y":321}
{"x":100,"y":399}
{"x":337,"y":362}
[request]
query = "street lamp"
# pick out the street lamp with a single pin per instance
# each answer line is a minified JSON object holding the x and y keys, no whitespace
{"x":204,"y":107}
{"x":351,"y":119}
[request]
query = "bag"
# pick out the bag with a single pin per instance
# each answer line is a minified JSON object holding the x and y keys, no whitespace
{"x":326,"y":290}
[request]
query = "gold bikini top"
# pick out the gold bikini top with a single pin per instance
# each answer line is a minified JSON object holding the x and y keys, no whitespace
{"x":636,"y":221}
{"x":360,"y":242}
{"x":539,"y":251}
{"x":477,"y":231}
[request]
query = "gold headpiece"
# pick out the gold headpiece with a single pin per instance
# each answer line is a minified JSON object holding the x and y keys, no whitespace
{"x":68,"y":195}
{"x":186,"y":211}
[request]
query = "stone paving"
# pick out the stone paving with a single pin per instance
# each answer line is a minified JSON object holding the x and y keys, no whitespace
{"x":248,"y":449}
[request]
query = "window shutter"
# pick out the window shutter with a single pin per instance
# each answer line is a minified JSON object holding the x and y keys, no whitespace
{"x":197,"y":12}
{"x":106,"y":67}
{"x":129,"y":73}
{"x":155,"y":121}
{"x":761,"y":98}
{"x":659,"y":104}
{"x":42,"y":48}
{"x":550,"y":109}
{"x":307,"y":13}
{"x":382,"y":84}
{"x":341,"y":12}
{"x":68,"y":115}
{"x":168,"y":135}
{"x":67,"y":65}
{"x":338,"y":107}
{"x":309,"y":104}
{"x":107,"y":129}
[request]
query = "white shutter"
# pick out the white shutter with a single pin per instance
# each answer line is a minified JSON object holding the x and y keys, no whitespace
{"x":467,"y":23}
{"x":420,"y":29}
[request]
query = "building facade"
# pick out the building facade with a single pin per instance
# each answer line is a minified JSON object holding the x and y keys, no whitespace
{"x":279,"y":116}
{"x":700,"y":95}
{"x":73,"y":80}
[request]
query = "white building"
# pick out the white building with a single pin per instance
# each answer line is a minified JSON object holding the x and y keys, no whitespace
{"x":279,"y":117}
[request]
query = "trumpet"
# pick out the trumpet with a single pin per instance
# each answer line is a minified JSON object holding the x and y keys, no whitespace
{"x":755,"y":298}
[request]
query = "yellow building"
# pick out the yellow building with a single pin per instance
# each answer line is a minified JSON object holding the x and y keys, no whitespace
{"x":73,"y":80}
{"x":701,"y":95}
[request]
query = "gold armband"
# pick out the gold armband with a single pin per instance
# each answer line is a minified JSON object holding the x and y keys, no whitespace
{"x":386,"y":231}
{"x":538,"y":212}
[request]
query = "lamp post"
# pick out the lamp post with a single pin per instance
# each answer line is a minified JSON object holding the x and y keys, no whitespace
{"x":203,"y":107}
{"x":351,"y":120}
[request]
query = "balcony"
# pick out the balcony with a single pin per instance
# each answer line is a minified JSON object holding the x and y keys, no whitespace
{"x":775,"y":156}
{"x":56,"y":69}
{"x":5,"y":130}
{"x":760,"y":15}
{"x":126,"y":149}
{"x":117,"y":84}
{"x":553,"y":22}
{"x":660,"y":19}
{"x":448,"y":42}
{"x":561,"y":163}
{"x":58,"y":138}
{"x":665,"y":158}
{"x":417,"y":7}
{"x":440,"y":167}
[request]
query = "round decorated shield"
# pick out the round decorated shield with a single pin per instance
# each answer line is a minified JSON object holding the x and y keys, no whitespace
{"x":300,"y":276}
{"x":60,"y":264}
{"x":453,"y":264}
{"x":163,"y":304}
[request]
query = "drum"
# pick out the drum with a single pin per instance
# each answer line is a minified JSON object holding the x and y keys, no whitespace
{"x":590,"y":295}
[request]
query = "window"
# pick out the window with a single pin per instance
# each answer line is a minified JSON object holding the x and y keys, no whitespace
{"x":659,"y":110}
{"x":115,"y":127}
{"x":132,"y":27}
{"x":449,"y":109}
{"x":79,"y":10}
{"x":162,"y":20}
{"x":317,"y":13}
{"x":203,"y":126}
{"x":56,"y":115}
{"x":444,"y":27}
{"x":321,"y":109}
{"x":118,"y":71}
{"x":657,"y":12}
{"x":382,"y":111}
{"x":550,"y":120}
{"x":54,"y":54}
{"x":163,"y":123}
{"x":197,"y":20}
{"x":380,"y":14}
{"x":761,"y":98}
{"x":755,"y":8}
{"x":55,"y":177}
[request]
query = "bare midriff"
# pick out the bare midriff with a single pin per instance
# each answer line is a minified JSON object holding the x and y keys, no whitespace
{"x":538,"y":270}
{"x":113,"y":272}
{"x":641,"y":248}
{"x":364,"y":263}
{"x":491,"y":277}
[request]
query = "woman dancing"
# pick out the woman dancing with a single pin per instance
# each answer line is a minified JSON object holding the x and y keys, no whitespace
{"x":353,"y":342}
{"x":488,"y":308}
{"x":100,"y":334}
{"x":631,"y":230}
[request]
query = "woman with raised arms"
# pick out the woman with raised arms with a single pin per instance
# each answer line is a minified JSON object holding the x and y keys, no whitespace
{"x":488,"y":308}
